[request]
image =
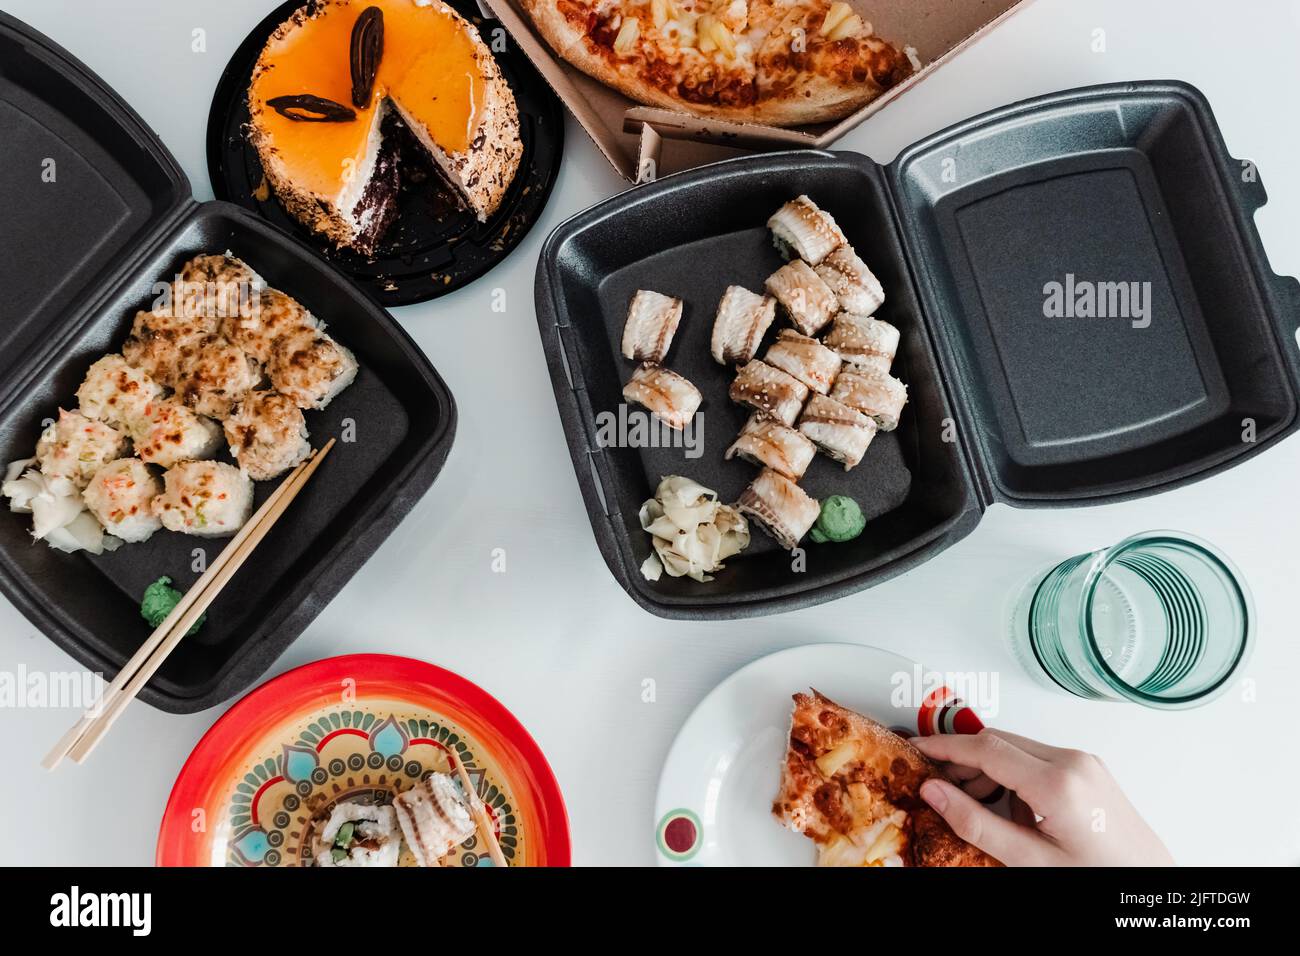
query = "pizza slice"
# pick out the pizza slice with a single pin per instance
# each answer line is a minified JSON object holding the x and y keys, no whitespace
{"x":852,"y":787}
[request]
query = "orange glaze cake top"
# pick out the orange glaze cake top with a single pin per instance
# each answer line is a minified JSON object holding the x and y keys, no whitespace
{"x":429,"y":67}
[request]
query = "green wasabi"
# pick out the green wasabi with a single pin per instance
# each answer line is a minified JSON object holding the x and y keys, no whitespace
{"x":158,"y":601}
{"x":841,"y":520}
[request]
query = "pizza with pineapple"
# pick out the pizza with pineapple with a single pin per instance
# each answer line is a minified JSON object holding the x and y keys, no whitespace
{"x":852,"y":786}
{"x":777,"y":62}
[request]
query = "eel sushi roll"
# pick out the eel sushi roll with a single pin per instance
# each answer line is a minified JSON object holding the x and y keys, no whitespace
{"x":743,"y":319}
{"x":115,"y":393}
{"x":276,"y":316}
{"x":206,"y":498}
{"x":805,"y":358}
{"x":434,"y":817}
{"x":806,"y":298}
{"x":216,"y":377}
{"x":267,"y":435}
{"x":769,"y":390}
{"x":863,"y":341}
{"x":800,"y":228}
{"x":72,"y":449}
{"x":670,"y":396}
{"x":652,"y":320}
{"x":854,"y":285}
{"x":169,"y":432}
{"x":358,"y":834}
{"x":782,"y":508}
{"x":120,"y":496}
{"x":769,"y":444}
{"x":841,"y":432}
{"x":310,"y":367}
{"x":877,"y":394}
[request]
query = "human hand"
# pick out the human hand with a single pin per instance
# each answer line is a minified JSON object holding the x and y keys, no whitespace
{"x":1066,"y":808}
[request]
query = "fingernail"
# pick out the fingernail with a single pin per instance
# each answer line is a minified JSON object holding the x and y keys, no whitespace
{"x":933,"y":793}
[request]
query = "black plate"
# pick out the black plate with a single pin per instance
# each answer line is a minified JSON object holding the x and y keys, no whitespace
{"x":1114,"y":183}
{"x":433,"y":247}
{"x":135,"y":223}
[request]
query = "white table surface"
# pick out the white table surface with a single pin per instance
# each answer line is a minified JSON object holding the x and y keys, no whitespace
{"x":556,"y":639}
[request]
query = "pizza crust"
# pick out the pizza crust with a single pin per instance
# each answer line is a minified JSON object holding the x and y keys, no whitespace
{"x":891,"y":770}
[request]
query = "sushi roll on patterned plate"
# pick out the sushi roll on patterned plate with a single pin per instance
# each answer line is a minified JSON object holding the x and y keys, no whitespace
{"x":285,"y":772}
{"x":769,"y":390}
{"x":652,"y":320}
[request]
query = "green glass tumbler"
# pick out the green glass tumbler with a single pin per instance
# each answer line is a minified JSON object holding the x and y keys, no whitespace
{"x":1163,"y":619}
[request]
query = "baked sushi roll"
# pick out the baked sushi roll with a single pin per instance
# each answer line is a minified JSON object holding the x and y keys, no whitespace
{"x":434,"y":817}
{"x":216,"y":377}
{"x":854,"y":285}
{"x":310,"y":367}
{"x":875,"y":393}
{"x":800,"y":228}
{"x":358,"y":834}
{"x":161,"y":347}
{"x":841,"y":432}
{"x":769,"y":390}
{"x":805,"y":358}
{"x":120,"y":495}
{"x":74,"y":447}
{"x":206,"y":498}
{"x":169,"y":432}
{"x":783,"y":509}
{"x":652,"y":320}
{"x":769,"y":444}
{"x":807,"y":300}
{"x":743,"y":319}
{"x":672,"y":398}
{"x":115,"y":393}
{"x":862,"y":341}
{"x":214,"y":286}
{"x":276,"y":316}
{"x":267,"y":435}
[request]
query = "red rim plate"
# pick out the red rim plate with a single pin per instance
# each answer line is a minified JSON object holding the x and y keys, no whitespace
{"x":270,"y":713}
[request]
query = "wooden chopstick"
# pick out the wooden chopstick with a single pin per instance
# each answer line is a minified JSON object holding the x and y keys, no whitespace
{"x":481,"y":817}
{"x":240,"y":552}
{"x":114,"y":697}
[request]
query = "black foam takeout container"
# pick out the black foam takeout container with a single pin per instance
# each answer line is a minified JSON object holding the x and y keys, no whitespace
{"x":966,"y":230}
{"x":95,"y":211}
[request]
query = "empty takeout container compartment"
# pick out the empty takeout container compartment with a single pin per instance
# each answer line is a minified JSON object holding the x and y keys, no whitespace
{"x":1125,"y":193}
{"x":629,"y":134}
{"x":96,"y":212}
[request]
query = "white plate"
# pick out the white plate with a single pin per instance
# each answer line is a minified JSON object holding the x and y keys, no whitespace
{"x":714,"y":805}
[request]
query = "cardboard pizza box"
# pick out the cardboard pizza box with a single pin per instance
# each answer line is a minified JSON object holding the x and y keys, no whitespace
{"x":632,"y":137}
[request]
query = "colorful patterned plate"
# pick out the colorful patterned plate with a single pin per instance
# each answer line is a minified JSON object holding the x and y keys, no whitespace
{"x":714,"y":806}
{"x":360,"y":725}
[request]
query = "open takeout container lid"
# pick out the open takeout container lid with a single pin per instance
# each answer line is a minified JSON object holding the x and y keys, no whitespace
{"x":1086,"y":308}
{"x":96,"y":212}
